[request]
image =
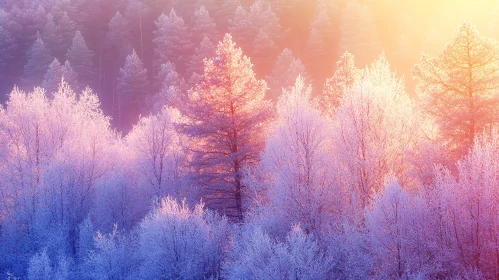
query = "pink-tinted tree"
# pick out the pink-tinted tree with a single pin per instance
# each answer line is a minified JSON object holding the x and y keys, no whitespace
{"x":459,"y":87}
{"x":227,"y":117}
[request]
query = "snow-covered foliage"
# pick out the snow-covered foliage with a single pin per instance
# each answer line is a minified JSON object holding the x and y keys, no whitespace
{"x":191,"y":160}
{"x":177,"y":242}
{"x":259,"y":256}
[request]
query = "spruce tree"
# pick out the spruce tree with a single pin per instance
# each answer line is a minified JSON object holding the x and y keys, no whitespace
{"x":240,"y":27}
{"x":133,"y":87}
{"x":118,"y":37}
{"x":70,"y":76}
{"x":7,"y":47}
{"x":66,"y":28}
{"x":56,"y":73}
{"x":170,"y":87}
{"x":264,"y":50}
{"x":52,"y":78}
{"x":171,"y":41}
{"x":52,"y":37}
{"x":39,"y":59}
{"x":204,"y":25}
{"x":286,"y":69}
{"x":206,"y":49}
{"x":80,"y":58}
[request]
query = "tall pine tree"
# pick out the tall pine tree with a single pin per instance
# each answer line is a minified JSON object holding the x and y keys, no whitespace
{"x":7,"y":48}
{"x":203,"y":26}
{"x":52,"y":78}
{"x":286,"y":69}
{"x":227,"y":113}
{"x":52,"y":37}
{"x":206,"y":49}
{"x":171,"y":87}
{"x":132,"y":88}
{"x":80,"y":58}
{"x":66,"y":28}
{"x":39,"y":59}
{"x":56,"y":73}
{"x":171,"y":42}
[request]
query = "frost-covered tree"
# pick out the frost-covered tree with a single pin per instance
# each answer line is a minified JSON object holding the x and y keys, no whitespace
{"x":70,"y":76}
{"x":53,"y":76}
{"x":205,"y":50}
{"x":118,"y":37}
{"x":240,"y":26}
{"x":81,"y":59}
{"x":119,"y":197}
{"x":39,"y":59}
{"x":29,"y":21}
{"x":158,"y":152}
{"x":171,"y":42}
{"x":204,"y":26}
{"x":82,"y":137}
{"x":55,"y":151}
{"x":265,"y":35}
{"x":113,"y":256}
{"x":286,"y":69}
{"x":344,"y":77}
{"x":56,"y":73}
{"x":297,"y":159}
{"x":52,"y":36}
{"x":227,"y":114}
{"x":375,"y":123}
{"x":459,"y":87}
{"x":8,"y":47}
{"x":40,"y":267}
{"x":133,"y":87}
{"x":178,"y":242}
{"x":258,"y":256}
{"x":170,"y":87}
{"x":467,"y":205}
{"x":397,"y":225}
{"x":257,"y":29}
{"x":262,"y":14}
{"x":66,"y":28}
{"x":264,"y":49}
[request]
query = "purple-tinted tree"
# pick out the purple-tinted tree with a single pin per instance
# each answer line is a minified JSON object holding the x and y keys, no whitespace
{"x":286,"y":69}
{"x":171,"y":42}
{"x":39,"y":59}
{"x":176,"y":241}
{"x":133,"y":88}
{"x":81,"y":59}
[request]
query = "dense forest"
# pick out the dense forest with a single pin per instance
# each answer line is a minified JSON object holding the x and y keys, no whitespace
{"x":238,"y":139}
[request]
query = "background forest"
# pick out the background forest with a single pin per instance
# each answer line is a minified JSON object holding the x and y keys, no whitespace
{"x":234,"y":139}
